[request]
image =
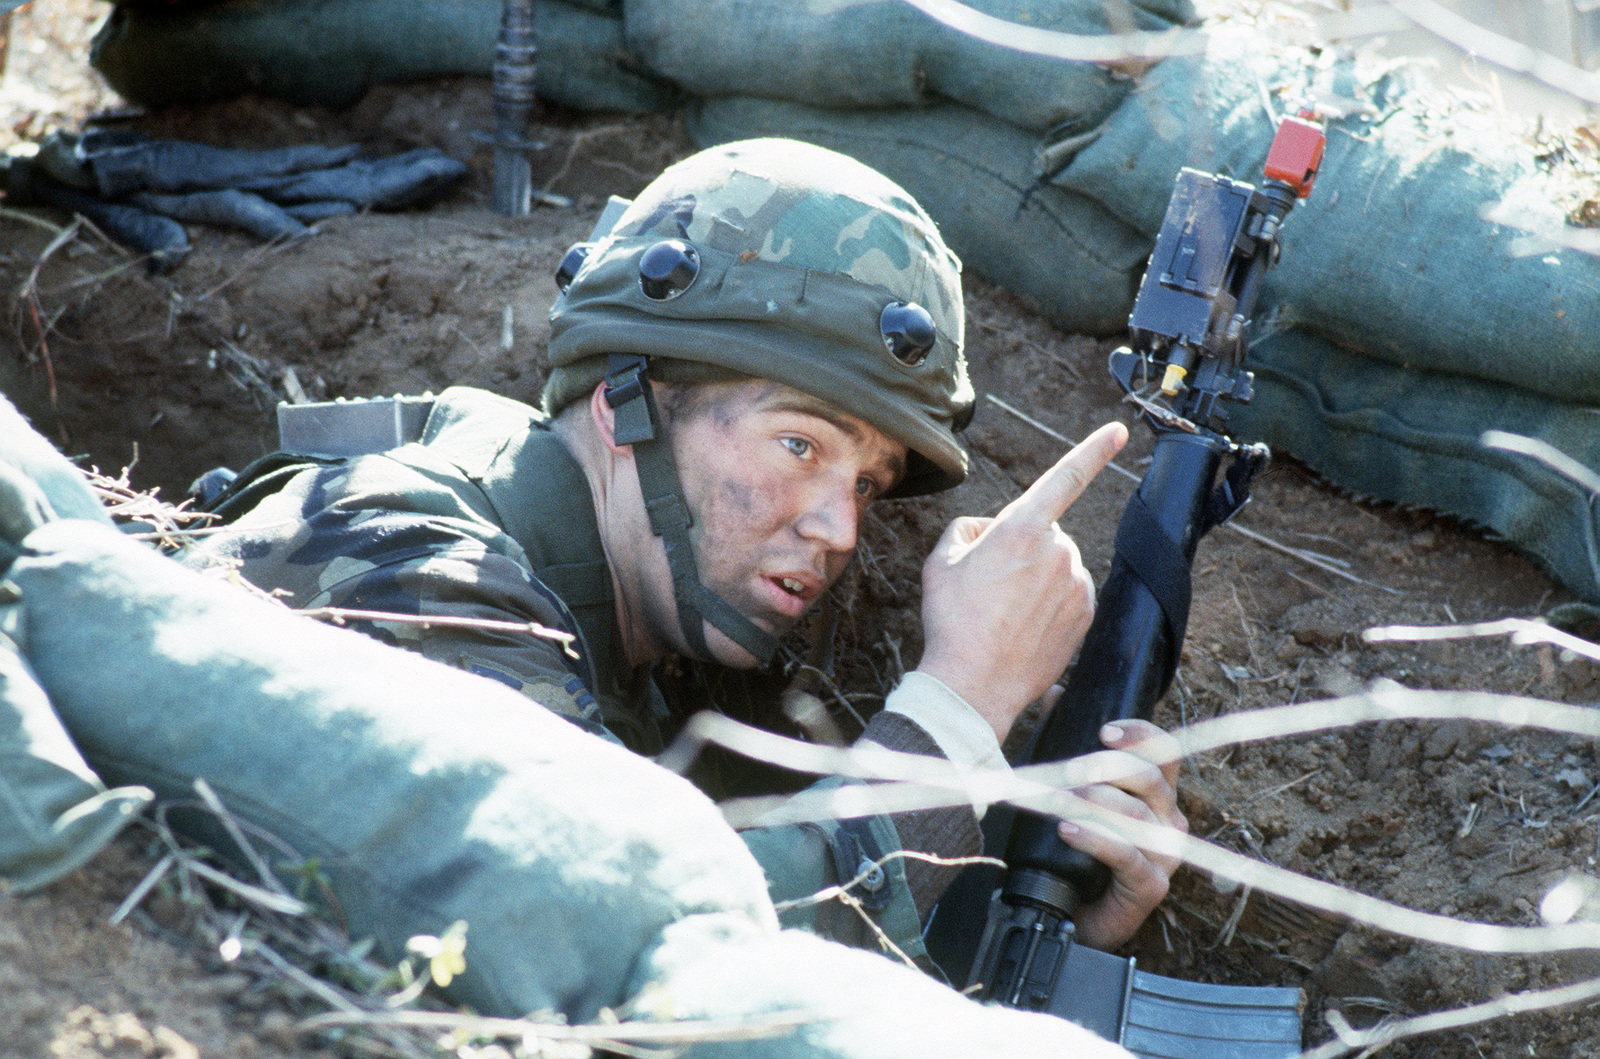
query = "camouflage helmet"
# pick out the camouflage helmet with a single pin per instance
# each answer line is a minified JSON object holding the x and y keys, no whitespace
{"x":785,"y":261}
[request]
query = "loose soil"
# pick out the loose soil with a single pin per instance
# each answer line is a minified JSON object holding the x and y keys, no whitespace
{"x":177,"y":374}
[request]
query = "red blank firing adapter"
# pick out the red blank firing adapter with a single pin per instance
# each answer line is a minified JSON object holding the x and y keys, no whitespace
{"x":1296,"y":153}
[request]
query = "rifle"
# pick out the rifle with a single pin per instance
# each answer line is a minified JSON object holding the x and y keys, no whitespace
{"x":1183,"y":364}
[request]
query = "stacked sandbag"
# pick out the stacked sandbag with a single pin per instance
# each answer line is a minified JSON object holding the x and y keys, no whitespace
{"x":1400,"y":325}
{"x":329,"y":52}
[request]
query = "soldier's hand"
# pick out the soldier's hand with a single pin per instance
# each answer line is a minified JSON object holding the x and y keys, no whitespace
{"x":1145,"y":761}
{"x":1006,"y":600}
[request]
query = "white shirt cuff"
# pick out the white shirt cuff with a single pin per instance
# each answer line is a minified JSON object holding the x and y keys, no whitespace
{"x":963,"y":736}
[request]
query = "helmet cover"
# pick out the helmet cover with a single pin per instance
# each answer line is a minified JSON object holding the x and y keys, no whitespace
{"x":788,"y":256}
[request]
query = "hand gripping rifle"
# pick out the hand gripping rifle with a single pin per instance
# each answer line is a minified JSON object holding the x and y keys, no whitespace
{"x":1183,"y":364}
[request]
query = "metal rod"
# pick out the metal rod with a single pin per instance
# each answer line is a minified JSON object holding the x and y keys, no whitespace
{"x":515,"y":63}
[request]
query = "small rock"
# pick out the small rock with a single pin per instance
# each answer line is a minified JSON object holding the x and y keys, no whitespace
{"x":1320,"y":634}
{"x":1236,"y":674}
{"x":1575,"y":778}
{"x":1350,"y":970}
{"x":1443,"y":740}
{"x":1335,"y":679}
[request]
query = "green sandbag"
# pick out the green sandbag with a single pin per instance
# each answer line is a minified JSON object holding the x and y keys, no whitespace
{"x":886,"y":53}
{"x":427,"y":794}
{"x":329,"y":52}
{"x":718,"y":968}
{"x":58,"y":483}
{"x":1406,"y":324}
{"x":55,"y":814}
{"x":1414,"y":438}
{"x":589,"y":877}
{"x":1412,"y":278}
{"x":974,"y":175}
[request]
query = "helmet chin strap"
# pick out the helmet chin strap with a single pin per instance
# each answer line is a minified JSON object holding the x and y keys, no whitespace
{"x":638,"y":423}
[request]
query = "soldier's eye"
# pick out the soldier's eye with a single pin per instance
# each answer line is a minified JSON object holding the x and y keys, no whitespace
{"x":798,"y":446}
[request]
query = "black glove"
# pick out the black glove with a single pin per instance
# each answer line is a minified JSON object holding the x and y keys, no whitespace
{"x":112,"y":163}
{"x":385,"y":184}
{"x":162,"y":240}
{"x":130,"y":185}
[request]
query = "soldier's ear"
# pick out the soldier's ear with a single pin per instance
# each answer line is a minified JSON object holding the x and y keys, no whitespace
{"x":604,"y":416}
{"x":605,"y":420}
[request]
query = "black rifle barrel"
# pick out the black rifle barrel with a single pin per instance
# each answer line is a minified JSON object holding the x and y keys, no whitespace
{"x":1123,"y":668}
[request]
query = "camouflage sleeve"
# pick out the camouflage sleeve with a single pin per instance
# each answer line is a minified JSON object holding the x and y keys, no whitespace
{"x":367,"y":551}
{"x":465,"y":583}
{"x":886,"y":897}
{"x":874,"y":907}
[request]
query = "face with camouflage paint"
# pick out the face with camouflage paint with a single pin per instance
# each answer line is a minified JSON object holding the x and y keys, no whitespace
{"x":777,"y":482}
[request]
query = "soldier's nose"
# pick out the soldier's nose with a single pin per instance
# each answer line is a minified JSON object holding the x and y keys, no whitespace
{"x":831,"y":520}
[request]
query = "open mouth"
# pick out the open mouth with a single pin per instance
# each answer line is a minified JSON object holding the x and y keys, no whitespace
{"x":792,"y":595}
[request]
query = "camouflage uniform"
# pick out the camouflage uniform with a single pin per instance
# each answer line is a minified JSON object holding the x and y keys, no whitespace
{"x":488,"y":517}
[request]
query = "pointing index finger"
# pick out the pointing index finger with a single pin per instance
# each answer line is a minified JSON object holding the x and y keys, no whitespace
{"x":1048,"y":498}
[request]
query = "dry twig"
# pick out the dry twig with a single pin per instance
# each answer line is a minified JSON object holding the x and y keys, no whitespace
{"x":267,"y":932}
{"x":124,"y":503}
{"x":1350,"y":1039}
{"x":842,"y":894}
{"x":599,"y":1034}
{"x":579,"y":141}
{"x":29,"y":295}
{"x":1522,"y":632}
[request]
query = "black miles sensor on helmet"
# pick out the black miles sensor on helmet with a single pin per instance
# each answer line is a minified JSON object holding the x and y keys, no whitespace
{"x":571,"y":262}
{"x":668,"y":269}
{"x":908,"y":332}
